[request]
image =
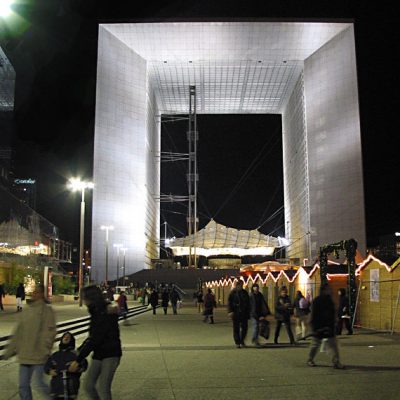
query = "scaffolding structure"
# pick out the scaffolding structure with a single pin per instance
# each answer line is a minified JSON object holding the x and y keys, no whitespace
{"x":192,"y":176}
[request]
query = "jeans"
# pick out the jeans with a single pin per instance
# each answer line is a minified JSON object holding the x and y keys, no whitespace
{"x":99,"y":378}
{"x":19,"y":303}
{"x":25,"y":375}
{"x":256,"y":328}
{"x":316,"y":344}
{"x":301,"y":326}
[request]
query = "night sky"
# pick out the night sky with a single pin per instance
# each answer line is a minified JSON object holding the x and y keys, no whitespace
{"x":54,"y":56}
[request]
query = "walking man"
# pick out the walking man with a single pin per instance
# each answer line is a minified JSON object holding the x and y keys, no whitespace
{"x":165,"y":300}
{"x":323,"y":325}
{"x":239,"y":312}
{"x":283,"y":310}
{"x":174,"y":297}
{"x":2,"y":295}
{"x":258,"y":311}
{"x":154,"y":300}
{"x":20,"y":295}
{"x":32,"y":342}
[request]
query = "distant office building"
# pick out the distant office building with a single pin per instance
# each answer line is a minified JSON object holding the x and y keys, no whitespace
{"x":5,"y":165}
{"x":7,"y":83}
{"x":389,"y":246}
{"x":7,"y":87}
{"x":25,"y":190}
{"x":304,"y":71}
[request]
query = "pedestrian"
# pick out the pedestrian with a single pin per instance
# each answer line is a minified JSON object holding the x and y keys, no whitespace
{"x":209,"y":305}
{"x":154,"y":300}
{"x":104,"y":341}
{"x":323,"y":325}
{"x":2,"y":295}
{"x":174,"y":297}
{"x":283,"y":311}
{"x":200,"y":301}
{"x":259,"y":310}
{"x":20,"y":295}
{"x":239,"y":312}
{"x":343,"y":313}
{"x":110,"y":294}
{"x":301,"y":313}
{"x":64,"y":385}
{"x":144,"y":294}
{"x":123,"y":306}
{"x":32,"y":342}
{"x":195,"y":293}
{"x":165,"y":300}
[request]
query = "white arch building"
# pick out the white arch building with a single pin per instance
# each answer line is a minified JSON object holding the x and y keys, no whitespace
{"x":305,"y":71}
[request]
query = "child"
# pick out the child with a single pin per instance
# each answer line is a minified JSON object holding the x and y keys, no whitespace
{"x":64,"y":384}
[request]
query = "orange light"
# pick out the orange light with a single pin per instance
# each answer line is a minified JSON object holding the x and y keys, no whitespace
{"x":368,"y":260}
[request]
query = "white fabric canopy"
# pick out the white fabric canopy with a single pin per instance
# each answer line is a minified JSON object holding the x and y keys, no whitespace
{"x":217,"y":239}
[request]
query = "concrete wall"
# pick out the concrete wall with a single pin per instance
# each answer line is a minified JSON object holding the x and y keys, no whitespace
{"x":295,"y":172}
{"x":334,"y":144}
{"x":121,"y":158}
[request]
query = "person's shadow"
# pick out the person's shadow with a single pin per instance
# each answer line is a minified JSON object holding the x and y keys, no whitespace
{"x":372,"y":367}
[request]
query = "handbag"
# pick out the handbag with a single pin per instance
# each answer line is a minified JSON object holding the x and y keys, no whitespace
{"x":264,"y":329}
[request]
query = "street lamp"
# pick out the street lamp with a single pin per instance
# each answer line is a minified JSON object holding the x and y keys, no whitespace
{"x":76,"y":184}
{"x":107,"y":228}
{"x":117,"y":246}
{"x":124,"y":249}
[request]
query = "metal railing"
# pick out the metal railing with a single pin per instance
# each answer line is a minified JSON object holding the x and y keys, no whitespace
{"x":76,"y":326}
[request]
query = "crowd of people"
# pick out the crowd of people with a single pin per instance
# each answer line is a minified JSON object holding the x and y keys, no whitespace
{"x":33,"y":338}
{"x":317,"y":316}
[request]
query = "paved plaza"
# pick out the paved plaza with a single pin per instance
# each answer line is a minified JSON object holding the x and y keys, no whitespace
{"x":180,"y":357}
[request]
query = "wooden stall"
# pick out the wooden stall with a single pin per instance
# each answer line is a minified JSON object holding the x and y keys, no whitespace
{"x":378,"y":302}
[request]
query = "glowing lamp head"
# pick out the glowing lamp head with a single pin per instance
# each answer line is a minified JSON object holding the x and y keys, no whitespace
{"x":76,"y":184}
{"x":107,"y":228}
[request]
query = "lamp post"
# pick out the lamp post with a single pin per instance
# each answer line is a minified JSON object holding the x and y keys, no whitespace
{"x":124,"y":249}
{"x":76,"y":184}
{"x":107,"y":228}
{"x":118,"y":247}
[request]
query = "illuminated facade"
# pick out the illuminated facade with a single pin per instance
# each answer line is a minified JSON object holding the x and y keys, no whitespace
{"x":304,"y":71}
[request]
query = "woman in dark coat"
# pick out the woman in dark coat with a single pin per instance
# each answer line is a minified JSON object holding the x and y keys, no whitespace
{"x":154,"y":300}
{"x":343,"y":313}
{"x":209,"y":304}
{"x":103,"y":341}
{"x":165,"y":300}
